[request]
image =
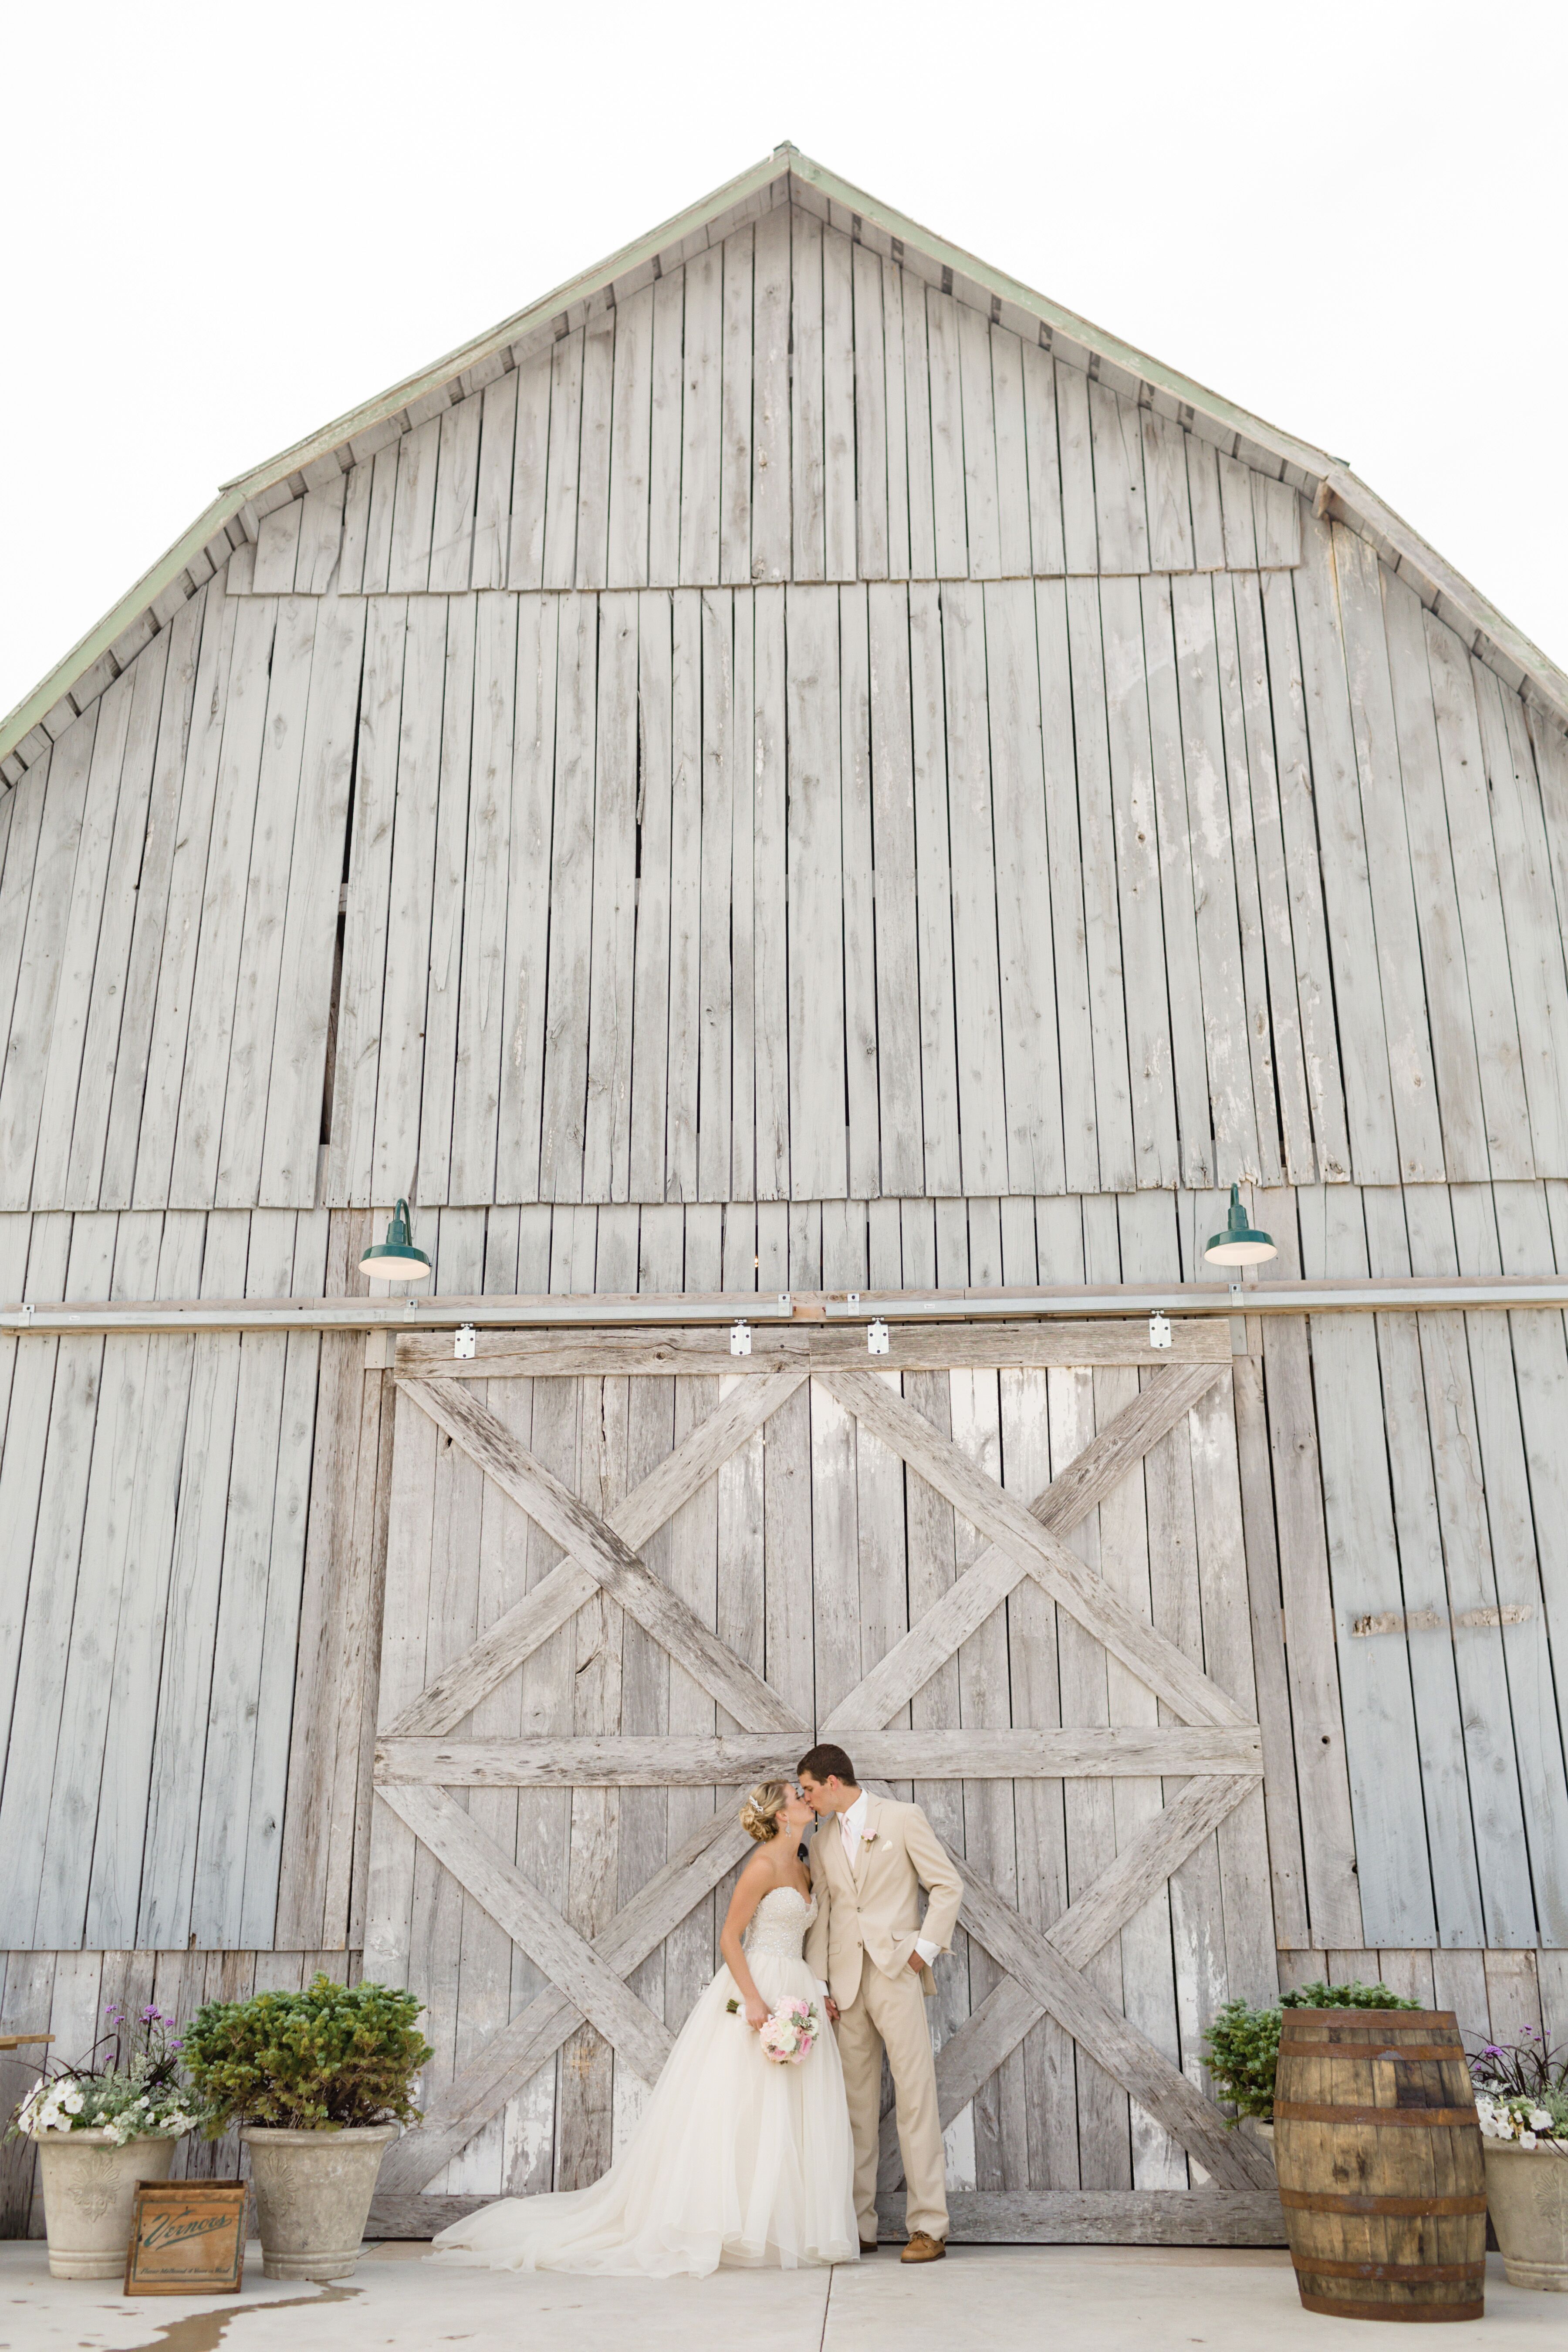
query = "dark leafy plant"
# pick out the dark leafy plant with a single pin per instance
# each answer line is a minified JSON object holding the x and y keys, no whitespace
{"x":331,"y":2058}
{"x":1243,"y":2042}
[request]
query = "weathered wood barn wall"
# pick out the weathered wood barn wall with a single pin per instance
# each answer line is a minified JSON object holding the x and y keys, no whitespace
{"x":796,"y":766}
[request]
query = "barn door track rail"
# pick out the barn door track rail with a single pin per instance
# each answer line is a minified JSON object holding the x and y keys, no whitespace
{"x":1195,"y":1303}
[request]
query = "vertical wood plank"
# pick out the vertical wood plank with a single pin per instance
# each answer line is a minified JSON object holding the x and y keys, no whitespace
{"x":807,"y":451}
{"x":1047,"y":555}
{"x":770,"y":873}
{"x":1377,"y":1156}
{"x":358,"y":1049}
{"x":771,"y":531}
{"x":898,"y":1001}
{"x":241,"y":1103}
{"x":394,"y":1154}
{"x":1069,"y":924}
{"x":974,"y":854}
{"x":482,"y":1001}
{"x":982,"y":529}
{"x":735,"y":412}
{"x":531,"y":449}
{"x":530,"y":834}
{"x":1108,"y":1014}
{"x":296,"y":1120}
{"x":1528,"y":909}
{"x":1423,"y":1123}
{"x":428,"y":1125}
{"x":1277,"y":686}
{"x":1139,"y":846}
{"x":839,"y":413}
{"x":492,"y":494}
{"x":952,"y":539}
{"x":861,"y":1074}
{"x":701,"y":419}
{"x":1120,"y":515}
{"x":685,"y":898}
{"x":594,"y":466}
{"x":1231,"y":1100}
{"x":650,"y":978}
{"x":714,"y":1038}
{"x":44,"y":943}
{"x":112,"y":975}
{"x":413,"y":508}
{"x":1274,"y":1036}
{"x":870,"y":486}
{"x":607,"y":1130}
{"x":457,"y":495}
{"x":934,"y":896}
{"x":572,"y":884}
{"x":1478,"y":883}
{"x":561,"y":463}
{"x":818,"y":1166}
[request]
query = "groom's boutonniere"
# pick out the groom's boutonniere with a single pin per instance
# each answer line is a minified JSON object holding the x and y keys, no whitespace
{"x":867,"y":1837}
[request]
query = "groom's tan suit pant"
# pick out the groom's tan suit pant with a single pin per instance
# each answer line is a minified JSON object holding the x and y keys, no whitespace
{"x":892,"y":2010}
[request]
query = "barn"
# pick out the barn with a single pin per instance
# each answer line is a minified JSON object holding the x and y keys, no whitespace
{"x":813,"y":813}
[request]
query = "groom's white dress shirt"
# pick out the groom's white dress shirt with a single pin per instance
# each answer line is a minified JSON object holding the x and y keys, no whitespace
{"x":851,"y":1823}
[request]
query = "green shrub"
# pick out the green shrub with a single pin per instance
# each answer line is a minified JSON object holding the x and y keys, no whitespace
{"x":1243,"y":2044}
{"x":330,"y":2058}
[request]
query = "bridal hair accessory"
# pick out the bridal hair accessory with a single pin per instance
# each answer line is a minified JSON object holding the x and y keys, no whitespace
{"x":764,"y":1803}
{"x":790,"y":2033}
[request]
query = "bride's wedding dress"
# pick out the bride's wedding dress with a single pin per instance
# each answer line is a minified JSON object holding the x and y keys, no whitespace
{"x":737,"y":2160}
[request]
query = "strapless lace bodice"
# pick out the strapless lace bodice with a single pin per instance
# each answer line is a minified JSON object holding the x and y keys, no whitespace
{"x":779,"y":1924}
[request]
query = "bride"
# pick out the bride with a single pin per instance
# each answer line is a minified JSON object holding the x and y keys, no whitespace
{"x":738,"y":2159}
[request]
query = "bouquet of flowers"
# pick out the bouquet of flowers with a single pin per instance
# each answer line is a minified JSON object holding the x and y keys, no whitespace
{"x":135,"y":2093}
{"x":790,"y":2033}
{"x":1521,"y":2092}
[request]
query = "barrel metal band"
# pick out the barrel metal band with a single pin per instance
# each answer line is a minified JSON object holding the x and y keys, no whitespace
{"x":1416,"y":2118}
{"x":1342,"y":2307}
{"x":1446,"y":2273}
{"x":1336,"y":2201}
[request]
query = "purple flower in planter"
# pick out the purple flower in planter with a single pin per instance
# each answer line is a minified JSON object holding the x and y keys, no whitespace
{"x":151,"y":2015}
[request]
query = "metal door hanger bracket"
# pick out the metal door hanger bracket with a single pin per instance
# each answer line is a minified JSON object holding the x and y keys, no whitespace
{"x":740,"y":1338}
{"x":1159,"y":1329}
{"x":877,"y":1338}
{"x":465,"y":1343}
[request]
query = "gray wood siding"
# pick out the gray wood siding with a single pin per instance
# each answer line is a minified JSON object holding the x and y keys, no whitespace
{"x":793,"y":892}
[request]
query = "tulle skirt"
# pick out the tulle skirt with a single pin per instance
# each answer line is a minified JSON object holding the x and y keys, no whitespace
{"x":737,"y":2161}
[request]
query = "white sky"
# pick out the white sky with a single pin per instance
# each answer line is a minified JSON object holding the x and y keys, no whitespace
{"x":223,"y":223}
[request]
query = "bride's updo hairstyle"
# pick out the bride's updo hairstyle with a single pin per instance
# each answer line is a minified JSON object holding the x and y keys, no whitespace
{"x":760,"y":1813}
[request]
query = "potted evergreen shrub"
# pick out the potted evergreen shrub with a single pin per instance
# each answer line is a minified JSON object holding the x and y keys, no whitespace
{"x":100,"y":2127}
{"x":1522,"y":2099}
{"x":319,"y":2081}
{"x":1243,"y":2044}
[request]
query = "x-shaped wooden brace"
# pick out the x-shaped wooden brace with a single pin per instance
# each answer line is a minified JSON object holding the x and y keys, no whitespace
{"x":602,"y":1555}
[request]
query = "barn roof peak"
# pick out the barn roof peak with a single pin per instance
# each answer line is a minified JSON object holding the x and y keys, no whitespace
{"x":784,"y":176}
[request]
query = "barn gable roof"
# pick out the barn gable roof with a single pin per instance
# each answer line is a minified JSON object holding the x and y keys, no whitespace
{"x":784,"y":177}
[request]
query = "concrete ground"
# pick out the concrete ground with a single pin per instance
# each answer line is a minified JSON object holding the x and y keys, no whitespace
{"x":981,"y":2299}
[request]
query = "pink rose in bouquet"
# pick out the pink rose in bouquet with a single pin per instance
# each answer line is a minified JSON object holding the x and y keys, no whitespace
{"x":790,"y":2032}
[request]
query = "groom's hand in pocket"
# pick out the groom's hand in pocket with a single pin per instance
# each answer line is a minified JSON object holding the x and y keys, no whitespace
{"x":915,"y":1962}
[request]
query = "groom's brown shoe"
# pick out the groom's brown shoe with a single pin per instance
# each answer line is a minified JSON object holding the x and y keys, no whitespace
{"x":922,"y":2248}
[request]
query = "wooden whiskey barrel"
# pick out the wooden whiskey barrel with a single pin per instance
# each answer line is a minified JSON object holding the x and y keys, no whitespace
{"x":1379,"y":2157}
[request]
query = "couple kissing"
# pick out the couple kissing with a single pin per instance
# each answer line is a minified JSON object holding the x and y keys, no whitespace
{"x":759,"y":2145}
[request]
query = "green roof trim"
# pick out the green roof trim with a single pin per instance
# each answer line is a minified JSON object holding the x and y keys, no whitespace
{"x":1456,"y":599}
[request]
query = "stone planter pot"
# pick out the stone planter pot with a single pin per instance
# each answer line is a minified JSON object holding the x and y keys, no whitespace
{"x":89,"y":2192}
{"x":1527,"y":2197}
{"x":313,"y":2196}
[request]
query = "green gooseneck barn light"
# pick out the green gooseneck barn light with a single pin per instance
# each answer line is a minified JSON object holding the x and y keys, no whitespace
{"x":396,"y":1259}
{"x":1240,"y":1244}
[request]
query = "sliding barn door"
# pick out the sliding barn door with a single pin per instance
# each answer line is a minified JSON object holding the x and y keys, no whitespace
{"x":628,"y":1576}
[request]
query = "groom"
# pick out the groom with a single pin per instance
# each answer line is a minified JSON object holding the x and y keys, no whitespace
{"x":865,"y":1947}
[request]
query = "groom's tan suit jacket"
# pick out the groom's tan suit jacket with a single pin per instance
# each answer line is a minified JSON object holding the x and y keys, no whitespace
{"x":873,"y":1908}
